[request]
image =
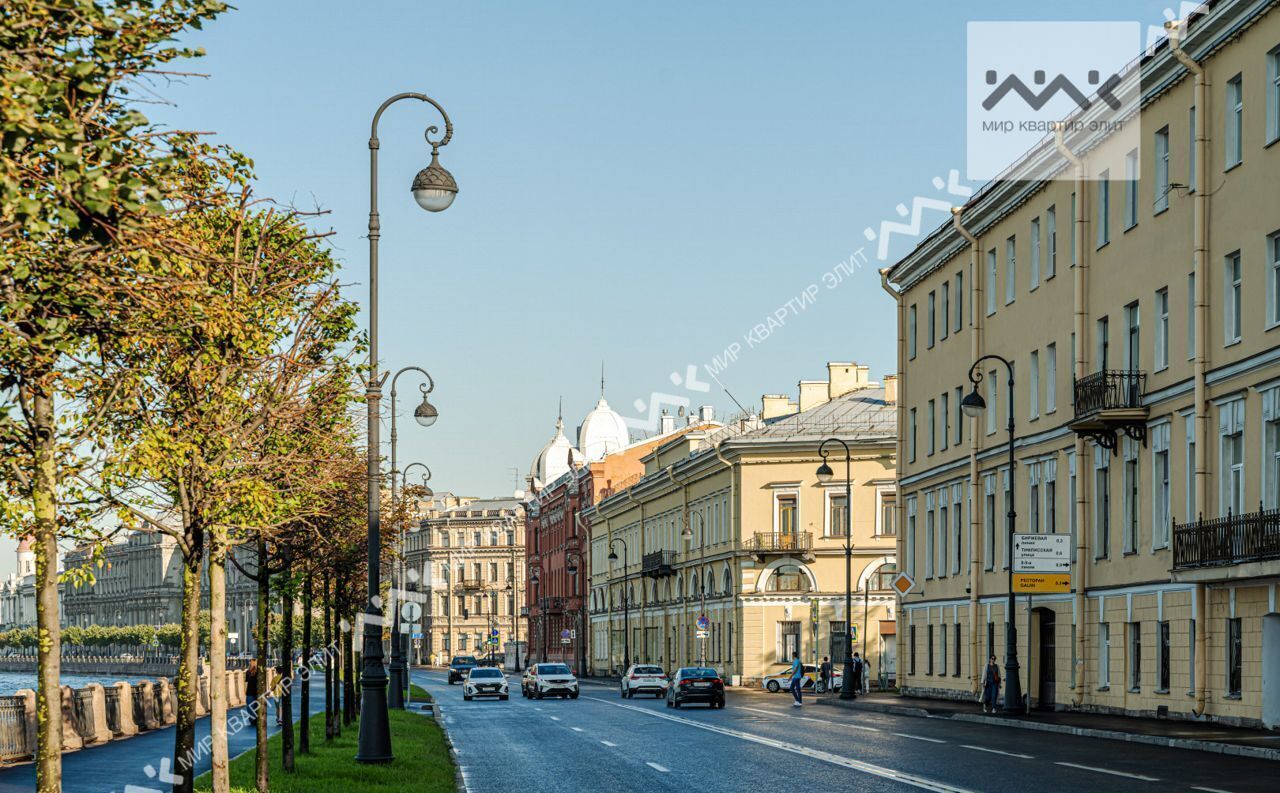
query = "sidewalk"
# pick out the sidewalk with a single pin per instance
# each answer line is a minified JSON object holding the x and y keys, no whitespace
{"x":1201,"y":736}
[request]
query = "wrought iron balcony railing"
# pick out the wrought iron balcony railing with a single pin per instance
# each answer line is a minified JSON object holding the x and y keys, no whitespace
{"x":1110,"y":389}
{"x":780,"y":542}
{"x":658,"y":563}
{"x":1235,"y":539}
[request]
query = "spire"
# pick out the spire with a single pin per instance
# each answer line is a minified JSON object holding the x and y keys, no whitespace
{"x":602,"y":378}
{"x":560,"y":416}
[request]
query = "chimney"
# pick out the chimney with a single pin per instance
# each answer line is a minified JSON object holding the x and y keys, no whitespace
{"x":845,"y":377}
{"x":776,"y":405}
{"x":891,"y":388}
{"x":813,"y":393}
{"x":668,"y":423}
{"x":706,"y":413}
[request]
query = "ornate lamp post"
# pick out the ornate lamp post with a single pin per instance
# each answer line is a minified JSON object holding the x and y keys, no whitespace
{"x":425,"y":414}
{"x":687,"y":535}
{"x":572,"y":562}
{"x":404,"y":582}
{"x":825,"y":475}
{"x":626,"y":605}
{"x":973,"y":406}
{"x":434,"y":189}
{"x":535,"y":578}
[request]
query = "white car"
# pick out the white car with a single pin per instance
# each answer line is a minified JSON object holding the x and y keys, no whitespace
{"x":484,"y":681}
{"x":553,"y":680}
{"x":643,"y":679}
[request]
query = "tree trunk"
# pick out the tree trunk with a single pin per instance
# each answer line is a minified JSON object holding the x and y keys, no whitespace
{"x":304,"y":729}
{"x":45,"y":511}
{"x":188,"y":681}
{"x":218,"y":659}
{"x":348,"y":679}
{"x":330,"y":664}
{"x":263,"y":774}
{"x":286,"y":661}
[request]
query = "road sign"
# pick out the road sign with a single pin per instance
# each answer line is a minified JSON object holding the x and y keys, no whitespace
{"x":704,"y":634}
{"x":1042,"y":553}
{"x":703,"y":622}
{"x":565,"y":634}
{"x":573,"y":633}
{"x":853,"y":636}
{"x":493,"y":632}
{"x":564,"y":641}
{"x":1035,"y":583}
{"x":903,"y":584}
{"x":410,"y":611}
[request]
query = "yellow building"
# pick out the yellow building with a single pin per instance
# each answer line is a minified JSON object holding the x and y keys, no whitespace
{"x":764,"y":555}
{"x":1143,"y":321}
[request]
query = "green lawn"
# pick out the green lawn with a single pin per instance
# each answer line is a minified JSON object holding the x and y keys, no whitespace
{"x":422,"y":763}
{"x":419,"y":694}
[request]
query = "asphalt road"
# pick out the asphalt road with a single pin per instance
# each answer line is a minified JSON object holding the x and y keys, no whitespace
{"x":760,"y":743}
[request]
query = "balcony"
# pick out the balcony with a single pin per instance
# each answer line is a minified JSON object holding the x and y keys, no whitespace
{"x":658,"y":564}
{"x":1108,"y":403}
{"x":780,"y":542}
{"x":551,"y":605}
{"x":1220,"y":542}
{"x":466,"y":584}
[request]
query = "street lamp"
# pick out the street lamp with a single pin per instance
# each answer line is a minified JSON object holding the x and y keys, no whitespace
{"x":973,"y":406}
{"x":687,"y":535}
{"x":572,"y":565}
{"x":825,"y":474}
{"x":426,"y":415}
{"x":534,"y":580}
{"x":626,"y":606}
{"x":404,"y":483}
{"x":434,"y":189}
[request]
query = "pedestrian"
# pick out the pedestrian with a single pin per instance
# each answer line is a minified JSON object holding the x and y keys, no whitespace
{"x":797,"y":679}
{"x":990,"y":686}
{"x":251,"y":689}
{"x":825,"y":672}
{"x":857,"y":675}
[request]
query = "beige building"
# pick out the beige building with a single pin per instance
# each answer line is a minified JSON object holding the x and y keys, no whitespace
{"x":765,"y":559}
{"x":1143,"y":321}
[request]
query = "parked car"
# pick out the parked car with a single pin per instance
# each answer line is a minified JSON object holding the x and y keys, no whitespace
{"x":643,"y":679}
{"x":459,"y":666}
{"x":837,"y":680}
{"x":781,"y":681}
{"x":484,"y":681}
{"x":696,"y":684}
{"x":549,"y":680}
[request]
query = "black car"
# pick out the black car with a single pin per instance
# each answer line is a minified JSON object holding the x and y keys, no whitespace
{"x":696,"y":684}
{"x":459,"y":666}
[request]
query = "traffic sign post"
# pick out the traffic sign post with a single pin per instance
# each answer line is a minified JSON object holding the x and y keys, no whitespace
{"x":903,"y":584}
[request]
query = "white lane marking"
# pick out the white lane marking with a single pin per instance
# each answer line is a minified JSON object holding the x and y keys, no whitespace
{"x":555,"y":718}
{"x":785,"y":714}
{"x":826,"y":757}
{"x":1109,"y":771}
{"x":576,"y":729}
{"x":657,"y":767}
{"x":996,"y":751}
{"x":1210,"y":789}
{"x":608,"y":743}
{"x":918,"y":737}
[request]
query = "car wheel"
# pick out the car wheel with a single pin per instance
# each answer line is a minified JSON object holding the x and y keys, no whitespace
{"x":502,"y":697}
{"x":772,"y":687}
{"x":466,"y":697}
{"x":622,"y":692}
{"x":574,"y":695}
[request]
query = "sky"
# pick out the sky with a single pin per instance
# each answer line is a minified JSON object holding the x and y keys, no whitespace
{"x":641,"y":185}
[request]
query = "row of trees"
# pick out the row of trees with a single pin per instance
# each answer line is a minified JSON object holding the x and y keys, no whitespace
{"x":141,"y":636}
{"x":176,"y":356}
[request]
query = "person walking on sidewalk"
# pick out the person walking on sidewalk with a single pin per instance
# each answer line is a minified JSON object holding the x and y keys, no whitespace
{"x":797,"y":679}
{"x":857,"y":675}
{"x":990,"y":686}
{"x":824,"y":672}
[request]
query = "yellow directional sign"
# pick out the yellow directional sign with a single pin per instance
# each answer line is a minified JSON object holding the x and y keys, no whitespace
{"x":1034,"y":583}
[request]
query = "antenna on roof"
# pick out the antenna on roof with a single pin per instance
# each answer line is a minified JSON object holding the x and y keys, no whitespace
{"x":722,"y":388}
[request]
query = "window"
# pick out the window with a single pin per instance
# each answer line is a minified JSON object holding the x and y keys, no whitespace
{"x":1273,"y":95}
{"x":989,"y":522}
{"x":1104,"y":208}
{"x":1234,"y":140}
{"x":1104,"y":655}
{"x":1008,"y":508}
{"x":1034,"y":390}
{"x":838,"y":514}
{"x":1191,"y":656}
{"x":1162,"y":329}
{"x":1160,"y":492}
{"x":788,"y":578}
{"x":1011,"y":270}
{"x":888,"y":514}
{"x":909,"y":541}
{"x":1273,"y":279}
{"x":1131,"y":189}
{"x":944,"y":311}
{"x":932,"y":320}
{"x":912,"y":647}
{"x":1161,"y":197}
{"x":944,"y":415}
{"x":957,"y":530}
{"x":1191,"y":154}
{"x":933,"y":426}
{"x":1231,"y":435}
{"x":911,"y":437}
{"x":942,"y":649}
{"x":958,"y":646}
{"x":786,"y":520}
{"x":1033,"y":498}
{"x":1271,"y":448}
{"x":1101,"y":502}
{"x":1162,"y":662}
{"x":1131,"y":502}
{"x":1049,"y":469}
{"x":1071,"y":497}
{"x":1074,"y":657}
{"x":1103,"y":341}
{"x":1234,"y":657}
{"x":1231,"y":299}
{"x":1191,"y":468}
{"x":929,"y":650}
{"x":1051,"y":378}
{"x":1191,"y":316}
{"x":911,"y":332}
{"x":1135,"y":656}
{"x":959,"y":320}
{"x":993,"y":407}
{"x":930,"y":530}
{"x":1035,"y":253}
{"x":960,"y":416}
{"x":1051,"y":243}
{"x":944,"y":526}
{"x":1133,"y":327}
{"x":993,"y":278}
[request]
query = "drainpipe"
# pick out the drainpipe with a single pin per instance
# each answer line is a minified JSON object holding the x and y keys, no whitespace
{"x":975,"y":445}
{"x":1079,"y":369}
{"x":899,"y":503}
{"x":1200,"y":241}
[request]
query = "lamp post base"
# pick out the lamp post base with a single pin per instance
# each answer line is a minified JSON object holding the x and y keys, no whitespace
{"x":375,"y":732}
{"x":846,"y":682}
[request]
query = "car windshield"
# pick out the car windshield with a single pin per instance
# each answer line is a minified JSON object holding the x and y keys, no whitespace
{"x":485,"y":673}
{"x":698,"y":671}
{"x":648,"y":670}
{"x":553,"y":669}
{"x":462,"y":660}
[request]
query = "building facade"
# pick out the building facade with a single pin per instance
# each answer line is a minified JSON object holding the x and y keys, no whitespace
{"x":732,"y":524}
{"x":1140,"y":316}
{"x":18,"y":591}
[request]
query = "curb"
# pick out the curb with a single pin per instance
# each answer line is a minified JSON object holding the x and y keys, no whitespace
{"x":1215,"y":747}
{"x":459,"y":781}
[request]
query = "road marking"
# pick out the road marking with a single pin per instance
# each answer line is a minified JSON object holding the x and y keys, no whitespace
{"x":826,"y":757}
{"x":1109,"y":771}
{"x":996,"y":751}
{"x":608,"y":743}
{"x":918,"y":737}
{"x":1210,"y":789}
{"x":555,"y":718}
{"x":657,"y":767}
{"x":576,"y":729}
{"x":785,"y":714}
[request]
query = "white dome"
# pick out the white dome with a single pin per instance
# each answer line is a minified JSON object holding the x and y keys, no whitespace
{"x":552,"y":461}
{"x":602,"y":432}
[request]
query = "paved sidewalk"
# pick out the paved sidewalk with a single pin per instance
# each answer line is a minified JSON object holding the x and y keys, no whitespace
{"x":1203,"y":736}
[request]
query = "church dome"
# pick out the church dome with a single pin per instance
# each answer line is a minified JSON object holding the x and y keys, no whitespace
{"x":602,"y":432}
{"x":553,"y":460}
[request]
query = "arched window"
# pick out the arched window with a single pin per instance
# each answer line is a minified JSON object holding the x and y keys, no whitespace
{"x":728,"y":580}
{"x":710,"y":581}
{"x":680,"y":589}
{"x":883,"y":577}
{"x":788,"y":578}
{"x":693,"y":584}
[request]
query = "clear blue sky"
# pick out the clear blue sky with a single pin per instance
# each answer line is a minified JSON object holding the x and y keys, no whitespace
{"x":639,"y":182}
